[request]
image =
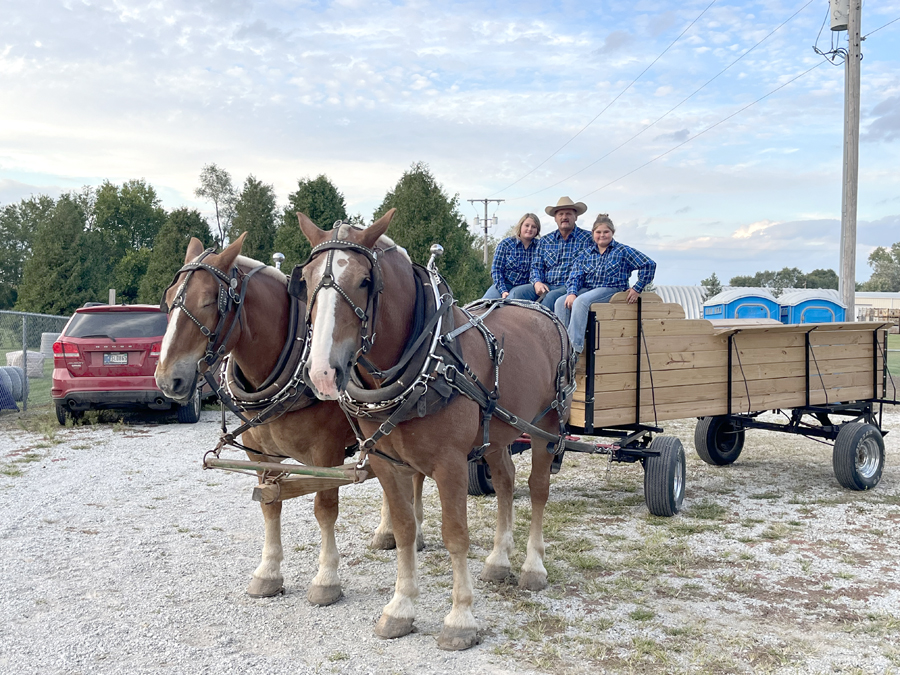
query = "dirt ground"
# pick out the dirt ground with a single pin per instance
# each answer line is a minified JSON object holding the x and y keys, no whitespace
{"x":121,"y":555}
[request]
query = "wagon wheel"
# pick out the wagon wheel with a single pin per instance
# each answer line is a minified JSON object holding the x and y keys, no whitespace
{"x":858,"y":457}
{"x":189,"y":413}
{"x":664,"y":477}
{"x":480,"y":482}
{"x":717,"y":441}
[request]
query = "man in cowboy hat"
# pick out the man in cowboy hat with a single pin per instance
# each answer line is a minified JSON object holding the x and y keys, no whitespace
{"x":555,"y":254}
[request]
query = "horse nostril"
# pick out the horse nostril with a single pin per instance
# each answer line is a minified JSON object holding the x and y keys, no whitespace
{"x":177,"y":383}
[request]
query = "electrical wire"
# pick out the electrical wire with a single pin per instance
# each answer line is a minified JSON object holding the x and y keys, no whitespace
{"x":608,"y":105}
{"x":880,"y":27}
{"x":678,"y":105}
{"x":709,"y":128}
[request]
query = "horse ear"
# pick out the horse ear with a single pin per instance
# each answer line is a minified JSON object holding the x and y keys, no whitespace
{"x":310,"y":230}
{"x":227,"y":257}
{"x":371,"y":234}
{"x":195,"y":248}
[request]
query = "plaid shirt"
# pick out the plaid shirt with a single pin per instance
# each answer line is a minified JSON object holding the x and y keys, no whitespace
{"x":512,"y":263}
{"x":555,"y":256}
{"x":610,"y":269}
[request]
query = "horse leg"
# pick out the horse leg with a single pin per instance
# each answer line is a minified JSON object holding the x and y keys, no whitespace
{"x":398,"y":615}
{"x":383,"y":538}
{"x":460,"y":630}
{"x":534,"y":574}
{"x":325,"y":588}
{"x":503,"y":472}
{"x":267,"y":580}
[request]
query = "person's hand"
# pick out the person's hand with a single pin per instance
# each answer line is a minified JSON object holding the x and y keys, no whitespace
{"x":541,"y":288}
{"x":633,"y":296}
{"x":570,"y":300}
{"x":504,"y":294}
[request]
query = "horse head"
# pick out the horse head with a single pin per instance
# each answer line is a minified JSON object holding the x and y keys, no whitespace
{"x":343,"y":281}
{"x":198,"y":302}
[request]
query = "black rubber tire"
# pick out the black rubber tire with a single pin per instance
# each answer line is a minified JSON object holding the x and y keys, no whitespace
{"x":858,"y":456}
{"x":480,"y":482}
{"x":717,"y":442}
{"x":189,"y":413}
{"x":664,"y":477}
{"x":62,"y":412}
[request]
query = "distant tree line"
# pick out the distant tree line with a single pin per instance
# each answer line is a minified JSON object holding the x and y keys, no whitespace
{"x":57,"y":254}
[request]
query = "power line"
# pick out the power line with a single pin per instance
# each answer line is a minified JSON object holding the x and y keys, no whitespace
{"x":880,"y":27}
{"x":710,"y":128}
{"x":608,"y":105}
{"x":671,"y":110}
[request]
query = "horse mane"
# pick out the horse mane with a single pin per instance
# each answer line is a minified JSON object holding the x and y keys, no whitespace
{"x":384,"y":241}
{"x":246,"y":263}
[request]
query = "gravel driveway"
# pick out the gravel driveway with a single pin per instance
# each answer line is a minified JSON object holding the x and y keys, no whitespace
{"x":120,"y":555}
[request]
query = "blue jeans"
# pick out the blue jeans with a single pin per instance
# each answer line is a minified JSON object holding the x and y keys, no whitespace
{"x":575,"y":320}
{"x":492,"y":293}
{"x":526,"y":292}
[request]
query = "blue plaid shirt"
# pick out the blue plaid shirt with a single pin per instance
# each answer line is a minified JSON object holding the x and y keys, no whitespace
{"x":610,"y":269}
{"x":512,"y":263}
{"x":555,"y":256}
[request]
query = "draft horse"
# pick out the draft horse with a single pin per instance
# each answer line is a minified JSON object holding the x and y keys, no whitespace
{"x":249,"y":319}
{"x":406,"y":380}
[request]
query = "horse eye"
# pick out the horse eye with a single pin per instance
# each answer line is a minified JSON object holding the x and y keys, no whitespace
{"x":365,"y":282}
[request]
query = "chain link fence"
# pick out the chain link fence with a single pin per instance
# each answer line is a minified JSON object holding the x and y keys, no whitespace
{"x":26,"y":358}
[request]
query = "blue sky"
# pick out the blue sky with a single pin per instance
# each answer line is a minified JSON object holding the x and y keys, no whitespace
{"x":485,"y":94}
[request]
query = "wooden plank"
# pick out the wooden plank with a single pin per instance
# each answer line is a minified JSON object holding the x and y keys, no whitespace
{"x":624,"y":381}
{"x":742,"y":323}
{"x":618,"y":416}
{"x":662,"y":327}
{"x":666,"y":310}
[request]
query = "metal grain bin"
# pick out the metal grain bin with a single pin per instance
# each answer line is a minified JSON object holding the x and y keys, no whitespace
{"x":813,"y":305}
{"x":742,"y":303}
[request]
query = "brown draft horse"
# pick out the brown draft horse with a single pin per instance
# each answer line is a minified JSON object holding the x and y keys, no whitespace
{"x":317,"y":434}
{"x":438,"y":444}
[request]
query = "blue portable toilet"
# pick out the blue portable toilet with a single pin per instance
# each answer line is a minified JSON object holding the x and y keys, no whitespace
{"x":742,"y":303}
{"x":813,"y":305}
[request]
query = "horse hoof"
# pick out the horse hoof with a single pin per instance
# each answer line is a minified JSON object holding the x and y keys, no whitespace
{"x":532,"y":581}
{"x":390,"y":627}
{"x":323,"y":595}
{"x":495,"y":573}
{"x":457,"y":639}
{"x":265,"y":588}
{"x":384,"y":542}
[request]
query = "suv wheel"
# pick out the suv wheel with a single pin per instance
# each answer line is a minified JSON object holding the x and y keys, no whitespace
{"x":189,"y":413}
{"x":63,"y":413}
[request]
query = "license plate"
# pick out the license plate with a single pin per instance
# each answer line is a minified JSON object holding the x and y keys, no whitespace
{"x":115,"y":359}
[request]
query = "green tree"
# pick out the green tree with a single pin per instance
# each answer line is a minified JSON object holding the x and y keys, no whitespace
{"x":254,"y":213}
{"x":426,"y":216}
{"x":822,"y":278}
{"x":216,"y":186}
{"x":789,"y":277}
{"x":61,"y":277}
{"x":128,"y":274}
{"x":18,"y":227}
{"x":711,"y":286}
{"x":129,"y":216}
{"x":168,"y":251}
{"x":885,"y":264}
{"x":319,"y":199}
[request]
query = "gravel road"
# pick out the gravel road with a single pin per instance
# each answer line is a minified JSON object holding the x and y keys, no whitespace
{"x":120,"y":555}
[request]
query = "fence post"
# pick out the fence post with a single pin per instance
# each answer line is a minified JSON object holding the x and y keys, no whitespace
{"x":25,"y":363}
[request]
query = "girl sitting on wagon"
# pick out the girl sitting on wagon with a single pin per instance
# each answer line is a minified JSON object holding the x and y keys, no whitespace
{"x":597,"y":274}
{"x":512,"y":259}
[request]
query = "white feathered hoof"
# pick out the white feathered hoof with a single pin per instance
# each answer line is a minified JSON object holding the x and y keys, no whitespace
{"x":265,"y":588}
{"x":383,"y":541}
{"x":323,"y":595}
{"x":495,"y":574}
{"x":533,"y":581}
{"x":390,"y":627}
{"x":457,"y":639}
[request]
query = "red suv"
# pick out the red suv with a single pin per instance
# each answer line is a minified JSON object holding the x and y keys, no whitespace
{"x":106,"y":357}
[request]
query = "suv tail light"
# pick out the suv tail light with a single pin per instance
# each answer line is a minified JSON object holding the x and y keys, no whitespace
{"x":64,"y":349}
{"x":155,"y":349}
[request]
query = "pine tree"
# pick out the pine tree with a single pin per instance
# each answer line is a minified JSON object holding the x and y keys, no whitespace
{"x":322,"y":202}
{"x":254,"y":213}
{"x":168,"y":251}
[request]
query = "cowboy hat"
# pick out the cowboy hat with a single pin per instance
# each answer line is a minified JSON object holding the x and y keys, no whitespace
{"x":566,"y":203}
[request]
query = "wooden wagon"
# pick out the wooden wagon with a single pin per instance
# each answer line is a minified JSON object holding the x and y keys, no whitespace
{"x":646,"y":363}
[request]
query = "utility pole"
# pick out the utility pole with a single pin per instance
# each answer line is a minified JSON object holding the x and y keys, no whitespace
{"x":851,"y":158}
{"x":486,"y":221}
